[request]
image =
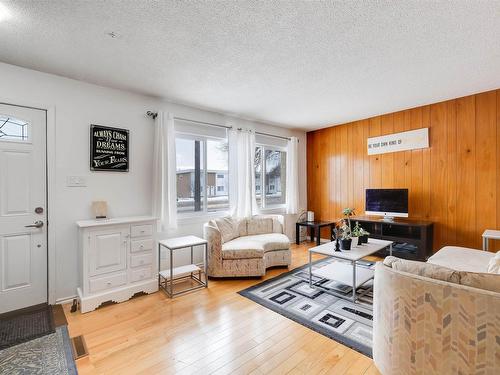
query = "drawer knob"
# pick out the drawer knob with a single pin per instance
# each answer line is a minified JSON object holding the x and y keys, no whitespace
{"x":142,"y":246}
{"x":109,"y":283}
{"x":142,"y":231}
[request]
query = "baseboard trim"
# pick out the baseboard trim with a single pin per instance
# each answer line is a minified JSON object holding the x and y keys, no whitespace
{"x":64,"y":300}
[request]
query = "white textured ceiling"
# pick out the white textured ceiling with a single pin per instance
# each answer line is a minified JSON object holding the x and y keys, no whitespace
{"x":295,"y":63}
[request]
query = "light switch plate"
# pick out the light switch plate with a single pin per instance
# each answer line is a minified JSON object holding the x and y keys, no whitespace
{"x":76,"y":181}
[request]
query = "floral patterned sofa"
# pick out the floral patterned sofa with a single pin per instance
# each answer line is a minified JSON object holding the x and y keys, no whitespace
{"x":246,"y":247}
{"x":439,"y":317}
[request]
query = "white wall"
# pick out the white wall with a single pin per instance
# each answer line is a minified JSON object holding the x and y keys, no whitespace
{"x":77,"y":105}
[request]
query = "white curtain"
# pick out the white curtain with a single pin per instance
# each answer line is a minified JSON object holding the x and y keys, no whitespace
{"x":292,"y":176}
{"x":164,"y":172}
{"x":242,"y":173}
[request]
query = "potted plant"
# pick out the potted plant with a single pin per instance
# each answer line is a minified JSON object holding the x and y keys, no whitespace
{"x":363,"y":236}
{"x":345,"y":237}
{"x":356,"y":235}
{"x":348,"y":212}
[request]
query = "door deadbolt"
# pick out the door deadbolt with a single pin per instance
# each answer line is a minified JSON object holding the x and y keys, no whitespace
{"x":39,"y":210}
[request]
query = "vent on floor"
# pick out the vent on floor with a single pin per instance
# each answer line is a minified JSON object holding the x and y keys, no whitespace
{"x":79,"y":347}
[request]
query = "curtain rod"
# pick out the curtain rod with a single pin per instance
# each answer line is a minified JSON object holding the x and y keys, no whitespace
{"x":155,"y":114}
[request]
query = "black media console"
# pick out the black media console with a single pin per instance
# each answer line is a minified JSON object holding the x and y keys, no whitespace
{"x":412,"y":238}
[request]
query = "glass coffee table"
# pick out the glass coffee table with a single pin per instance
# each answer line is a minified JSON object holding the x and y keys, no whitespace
{"x":345,"y":269}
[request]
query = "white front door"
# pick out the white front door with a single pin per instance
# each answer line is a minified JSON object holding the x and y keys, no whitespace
{"x":23,"y":208}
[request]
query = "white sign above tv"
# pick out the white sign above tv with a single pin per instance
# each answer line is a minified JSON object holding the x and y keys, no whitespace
{"x":404,"y":141}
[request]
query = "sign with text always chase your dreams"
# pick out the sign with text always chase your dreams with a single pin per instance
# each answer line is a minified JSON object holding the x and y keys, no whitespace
{"x":108,"y":149}
{"x":410,"y":140}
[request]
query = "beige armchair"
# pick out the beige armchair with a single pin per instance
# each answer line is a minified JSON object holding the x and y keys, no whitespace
{"x":246,"y":247}
{"x":433,"y":327}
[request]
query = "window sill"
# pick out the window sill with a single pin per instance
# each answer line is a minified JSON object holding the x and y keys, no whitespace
{"x":193,"y":218}
{"x":183,"y":219}
{"x":273,"y":210}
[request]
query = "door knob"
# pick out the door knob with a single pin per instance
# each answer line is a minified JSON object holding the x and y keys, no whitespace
{"x":36,"y":224}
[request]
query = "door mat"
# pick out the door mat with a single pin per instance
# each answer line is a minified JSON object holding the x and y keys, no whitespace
{"x":24,"y":325}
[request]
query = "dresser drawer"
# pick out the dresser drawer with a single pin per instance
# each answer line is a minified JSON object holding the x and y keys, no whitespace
{"x":98,"y":284}
{"x":141,"y":245}
{"x":141,"y":230}
{"x":140,"y":274}
{"x":141,"y":260}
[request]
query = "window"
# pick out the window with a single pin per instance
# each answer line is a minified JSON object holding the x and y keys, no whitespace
{"x":202,"y":173}
{"x":270,"y":185}
{"x":13,"y":129}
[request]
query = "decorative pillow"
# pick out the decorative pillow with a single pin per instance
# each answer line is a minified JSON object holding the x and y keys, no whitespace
{"x":228,"y":228}
{"x":423,"y":269}
{"x":494,"y":264}
{"x":277,"y":226}
{"x":242,"y":227}
{"x":486,"y":281}
{"x":259,"y":225}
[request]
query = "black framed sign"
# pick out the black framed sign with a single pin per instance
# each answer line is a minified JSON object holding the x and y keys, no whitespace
{"x":108,"y":149}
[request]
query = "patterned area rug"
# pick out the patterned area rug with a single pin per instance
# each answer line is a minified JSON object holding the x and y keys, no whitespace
{"x":26,"y":325}
{"x":290,"y":295}
{"x":47,"y":355}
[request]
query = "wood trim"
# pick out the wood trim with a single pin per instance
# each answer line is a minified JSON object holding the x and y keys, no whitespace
{"x":455,"y":182}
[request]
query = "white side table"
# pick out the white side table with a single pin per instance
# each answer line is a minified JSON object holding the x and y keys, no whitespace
{"x":490,"y":234}
{"x":167,"y":277}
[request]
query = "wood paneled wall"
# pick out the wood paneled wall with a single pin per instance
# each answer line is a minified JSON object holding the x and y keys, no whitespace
{"x":455,"y":182}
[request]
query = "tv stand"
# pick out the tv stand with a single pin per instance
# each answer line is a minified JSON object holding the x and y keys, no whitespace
{"x":412,"y":238}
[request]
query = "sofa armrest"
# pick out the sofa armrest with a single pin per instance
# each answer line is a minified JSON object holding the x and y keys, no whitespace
{"x":428,"y":326}
{"x":212,"y":234}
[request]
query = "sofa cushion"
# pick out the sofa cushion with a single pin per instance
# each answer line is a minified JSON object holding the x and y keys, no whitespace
{"x":277,"y":222}
{"x":271,"y":241}
{"x":494,"y":264}
{"x":277,"y":226}
{"x":257,"y":225}
{"x":423,"y":269}
{"x":254,"y":246}
{"x":462,"y":259}
{"x":228,"y":228}
{"x":242,"y":248}
{"x":242,"y":227}
{"x":486,"y":281}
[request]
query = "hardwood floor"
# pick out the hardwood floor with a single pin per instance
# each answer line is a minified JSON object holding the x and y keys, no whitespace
{"x":213,"y":330}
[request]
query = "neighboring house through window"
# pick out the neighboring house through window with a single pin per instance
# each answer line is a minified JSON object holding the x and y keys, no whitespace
{"x":202,"y":170}
{"x":270,"y":186}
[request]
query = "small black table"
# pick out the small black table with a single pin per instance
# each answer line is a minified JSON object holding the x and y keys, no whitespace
{"x":314,"y":227}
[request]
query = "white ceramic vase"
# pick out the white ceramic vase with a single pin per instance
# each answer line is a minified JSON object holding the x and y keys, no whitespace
{"x":354,"y":242}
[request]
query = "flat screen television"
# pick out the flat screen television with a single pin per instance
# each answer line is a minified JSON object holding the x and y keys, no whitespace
{"x":388,"y":203}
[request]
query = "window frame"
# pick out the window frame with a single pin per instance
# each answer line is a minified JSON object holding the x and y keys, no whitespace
{"x":204,"y":212}
{"x":263,"y":206}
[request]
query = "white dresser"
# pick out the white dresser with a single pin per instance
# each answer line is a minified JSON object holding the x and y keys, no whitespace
{"x":117,"y":260}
